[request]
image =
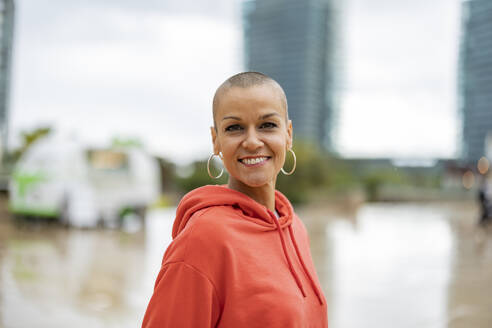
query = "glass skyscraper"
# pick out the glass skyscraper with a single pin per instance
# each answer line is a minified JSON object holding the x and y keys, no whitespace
{"x":6,"y":38}
{"x":475,"y":78}
{"x":295,"y":42}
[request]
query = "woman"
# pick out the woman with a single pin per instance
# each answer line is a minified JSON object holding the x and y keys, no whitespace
{"x":240,"y":255}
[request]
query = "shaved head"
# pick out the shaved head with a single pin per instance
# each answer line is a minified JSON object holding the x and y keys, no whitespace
{"x":247,"y":80}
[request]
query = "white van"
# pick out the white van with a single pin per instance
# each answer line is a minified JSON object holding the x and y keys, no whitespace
{"x":82,"y":186}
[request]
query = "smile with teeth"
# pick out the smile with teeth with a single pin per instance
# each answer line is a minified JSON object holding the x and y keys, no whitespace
{"x":253,"y":161}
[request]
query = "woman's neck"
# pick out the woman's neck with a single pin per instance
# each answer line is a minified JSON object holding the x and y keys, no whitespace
{"x":264,"y":195}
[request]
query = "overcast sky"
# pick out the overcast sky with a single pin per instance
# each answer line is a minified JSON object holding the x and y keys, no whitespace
{"x":400,"y":95}
{"x":148,"y":69}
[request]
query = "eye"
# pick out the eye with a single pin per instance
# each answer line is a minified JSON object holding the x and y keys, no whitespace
{"x":268,"y":125}
{"x":233,"y":127}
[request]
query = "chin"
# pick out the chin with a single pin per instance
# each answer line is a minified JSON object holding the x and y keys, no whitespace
{"x":256,"y":182}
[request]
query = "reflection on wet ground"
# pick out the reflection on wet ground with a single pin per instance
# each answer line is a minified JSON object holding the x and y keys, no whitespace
{"x":383,"y":265}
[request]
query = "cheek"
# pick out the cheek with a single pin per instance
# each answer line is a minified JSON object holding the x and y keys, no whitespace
{"x":279,"y":143}
{"x":281,"y":161}
{"x":228,"y":150}
{"x":279,"y":146}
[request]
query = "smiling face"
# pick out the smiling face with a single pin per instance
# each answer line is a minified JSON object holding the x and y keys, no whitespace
{"x":252,"y":133}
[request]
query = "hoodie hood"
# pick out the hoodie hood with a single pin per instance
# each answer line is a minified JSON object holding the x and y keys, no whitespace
{"x":216,"y":195}
{"x":221,"y":195}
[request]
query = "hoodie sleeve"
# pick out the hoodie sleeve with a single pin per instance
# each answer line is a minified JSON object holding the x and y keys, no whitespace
{"x":183,"y":297}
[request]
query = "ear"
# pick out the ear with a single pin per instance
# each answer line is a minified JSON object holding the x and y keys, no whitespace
{"x":215,"y":142}
{"x":289,"y":134}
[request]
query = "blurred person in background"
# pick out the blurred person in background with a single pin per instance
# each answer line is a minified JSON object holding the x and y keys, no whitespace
{"x":484,"y":199}
{"x":240,"y":256}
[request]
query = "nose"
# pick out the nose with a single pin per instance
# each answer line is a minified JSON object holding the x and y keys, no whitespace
{"x":252,"y":141}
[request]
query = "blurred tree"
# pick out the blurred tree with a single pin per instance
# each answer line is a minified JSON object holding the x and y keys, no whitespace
{"x":317,"y":174}
{"x":28,"y":138}
{"x":196,"y":176}
{"x":373,"y":181}
{"x":168,"y":174}
{"x":126,"y":142}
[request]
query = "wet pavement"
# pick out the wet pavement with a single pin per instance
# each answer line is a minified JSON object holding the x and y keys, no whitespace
{"x":381,"y":265}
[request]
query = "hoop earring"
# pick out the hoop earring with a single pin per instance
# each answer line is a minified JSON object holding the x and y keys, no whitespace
{"x":293,"y":168}
{"x":208,"y":167}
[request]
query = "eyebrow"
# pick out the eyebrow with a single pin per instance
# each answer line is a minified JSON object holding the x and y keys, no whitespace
{"x":239,"y":119}
{"x":231,"y":118}
{"x":269,"y":115}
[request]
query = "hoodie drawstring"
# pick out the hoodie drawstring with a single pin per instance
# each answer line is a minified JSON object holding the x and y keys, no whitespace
{"x":291,"y":267}
{"x":313,"y":285}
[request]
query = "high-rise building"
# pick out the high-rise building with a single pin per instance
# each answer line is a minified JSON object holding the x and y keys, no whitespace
{"x":6,"y":39}
{"x":475,"y":78}
{"x":295,"y":42}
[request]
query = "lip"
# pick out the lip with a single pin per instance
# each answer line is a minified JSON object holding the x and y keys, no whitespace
{"x":253,"y":157}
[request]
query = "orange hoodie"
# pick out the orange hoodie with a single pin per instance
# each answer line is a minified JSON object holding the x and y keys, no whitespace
{"x":232,"y":263}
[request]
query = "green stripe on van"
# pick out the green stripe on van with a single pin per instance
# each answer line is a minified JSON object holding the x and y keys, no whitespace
{"x":27,"y":180}
{"x":43,"y":212}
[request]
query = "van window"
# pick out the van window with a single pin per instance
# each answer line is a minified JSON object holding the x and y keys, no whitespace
{"x":107,"y":160}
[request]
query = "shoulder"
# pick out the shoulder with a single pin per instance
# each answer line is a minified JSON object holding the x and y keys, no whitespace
{"x":211,"y":221}
{"x":206,"y":235}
